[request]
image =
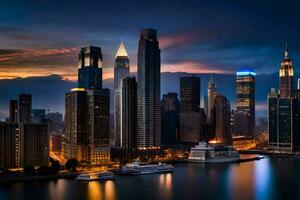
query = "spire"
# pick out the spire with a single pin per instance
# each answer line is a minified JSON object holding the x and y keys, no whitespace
{"x":286,"y":52}
{"x":121,"y":51}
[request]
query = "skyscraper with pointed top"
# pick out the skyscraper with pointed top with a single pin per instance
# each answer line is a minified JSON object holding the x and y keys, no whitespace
{"x":286,"y":75}
{"x":121,"y":71}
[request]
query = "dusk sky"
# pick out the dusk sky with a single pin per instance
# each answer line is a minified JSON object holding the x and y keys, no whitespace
{"x":41,"y":38}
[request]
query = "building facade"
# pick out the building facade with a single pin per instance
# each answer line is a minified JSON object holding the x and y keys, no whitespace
{"x":90,"y":68}
{"x":149,"y":119}
{"x":24,"y":108}
{"x":13,"y":110}
{"x":170,"y":109}
{"x":245,"y":103}
{"x":190,"y":127}
{"x":121,"y":71}
{"x":128,"y":115}
{"x":212,"y":94}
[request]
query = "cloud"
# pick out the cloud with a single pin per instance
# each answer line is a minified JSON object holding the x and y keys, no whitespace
{"x":193,"y":67}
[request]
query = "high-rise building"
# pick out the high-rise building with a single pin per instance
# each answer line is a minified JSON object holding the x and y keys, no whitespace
{"x":38,"y":116}
{"x":98,"y":124}
{"x":245,"y":103}
{"x":190,"y":129}
{"x":128,"y":115}
{"x":121,"y":71}
{"x":170,"y":108}
{"x":13,"y":110}
{"x":76,"y":124}
{"x":90,"y":68}
{"x":284,"y":111}
{"x":35,"y":144}
{"x":286,"y":75}
{"x":149,"y":119}
{"x":221,"y":115}
{"x":212,"y":94}
{"x":206,"y":105}
{"x":24,"y":108}
{"x":10,"y":145}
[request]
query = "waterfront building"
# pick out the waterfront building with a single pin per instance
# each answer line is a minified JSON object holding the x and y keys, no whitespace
{"x":121,"y":70}
{"x":90,"y":68}
{"x":35,"y":142}
{"x":24,"y":108}
{"x":128,"y":115}
{"x":221,"y":114}
{"x":13,"y":110}
{"x":190,"y":127}
{"x":75,"y":124}
{"x":148,"y":117}
{"x":170,"y":108}
{"x":284,"y":111}
{"x":10,"y":142}
{"x":98,"y":125}
{"x":212,"y":94}
{"x":245,"y":103}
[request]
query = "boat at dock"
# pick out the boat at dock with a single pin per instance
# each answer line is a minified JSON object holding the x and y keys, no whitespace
{"x":213,"y":153}
{"x":137,"y":168}
{"x":94,"y":176}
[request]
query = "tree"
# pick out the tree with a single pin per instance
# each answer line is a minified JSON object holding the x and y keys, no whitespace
{"x":71,"y":165}
{"x":55,"y":167}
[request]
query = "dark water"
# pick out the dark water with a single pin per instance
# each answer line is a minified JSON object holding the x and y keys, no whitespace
{"x":269,"y":178}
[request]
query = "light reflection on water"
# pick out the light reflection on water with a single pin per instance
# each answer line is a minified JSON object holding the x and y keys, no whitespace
{"x":264,"y":179}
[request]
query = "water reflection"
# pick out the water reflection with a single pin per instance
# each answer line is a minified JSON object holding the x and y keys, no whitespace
{"x":166,"y":185}
{"x":101,"y":190}
{"x":57,"y":189}
{"x":94,"y":191}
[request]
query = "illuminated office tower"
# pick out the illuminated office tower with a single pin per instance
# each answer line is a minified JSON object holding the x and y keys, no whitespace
{"x":121,"y":71}
{"x":13,"y":110}
{"x":149,"y":119}
{"x":98,"y":125}
{"x":76,"y":125}
{"x":170,"y":108}
{"x":24,"y":108}
{"x":190,"y":109}
{"x":90,"y":68}
{"x":245,"y":103}
{"x":128,"y":115}
{"x":286,"y":75}
{"x":221,"y":115}
{"x":212,"y":94}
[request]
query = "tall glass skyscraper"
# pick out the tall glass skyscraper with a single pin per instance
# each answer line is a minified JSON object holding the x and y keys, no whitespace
{"x":121,"y":71}
{"x":90,"y":68}
{"x":149,"y":119}
{"x":245,"y":103}
{"x":212,"y":94}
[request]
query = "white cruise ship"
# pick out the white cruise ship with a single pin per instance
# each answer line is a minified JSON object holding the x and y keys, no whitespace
{"x":95,"y":176}
{"x":136,"y":168}
{"x":204,"y":152}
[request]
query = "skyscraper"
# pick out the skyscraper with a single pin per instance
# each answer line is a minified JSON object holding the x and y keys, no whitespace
{"x":286,"y":75}
{"x":121,"y":71}
{"x":284,"y":111}
{"x":189,"y":94}
{"x":190,"y":109}
{"x":76,"y":124}
{"x":128,"y":115}
{"x":149,"y":119}
{"x":245,"y":103}
{"x":13,"y":110}
{"x":90,"y":68}
{"x":38,"y":116}
{"x":221,"y":115}
{"x":170,"y":108}
{"x":212,"y":94}
{"x":24,"y":108}
{"x":98,"y":124}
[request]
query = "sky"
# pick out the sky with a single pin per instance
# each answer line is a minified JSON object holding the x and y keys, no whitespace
{"x":43,"y":38}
